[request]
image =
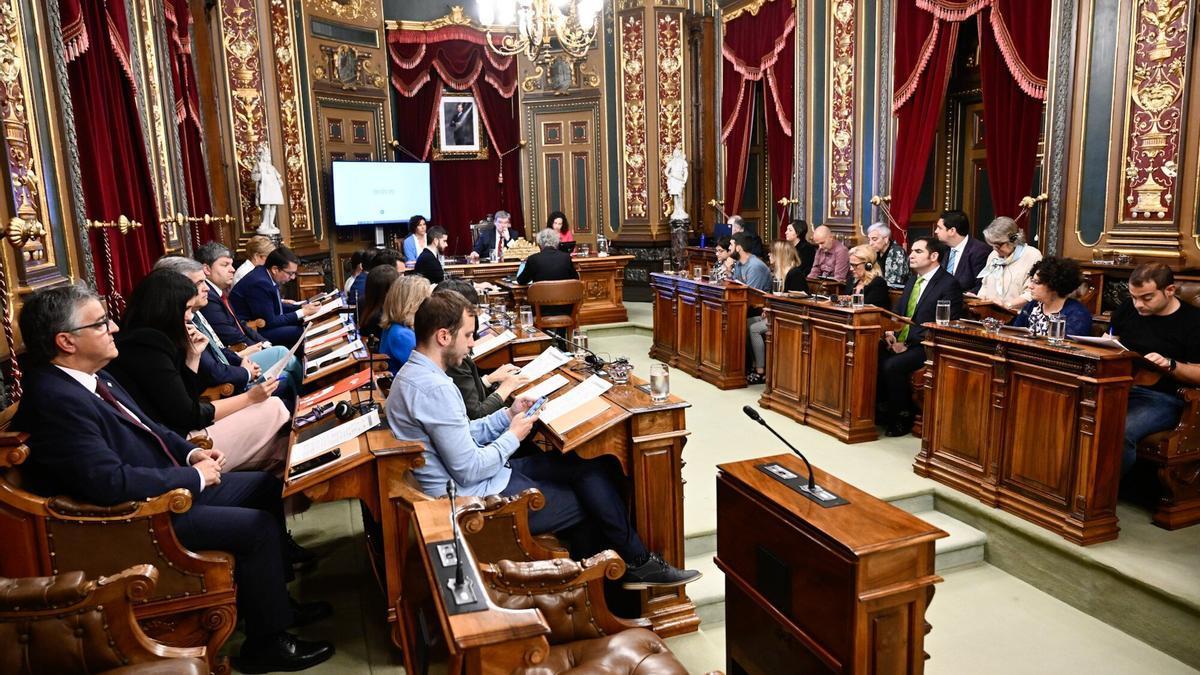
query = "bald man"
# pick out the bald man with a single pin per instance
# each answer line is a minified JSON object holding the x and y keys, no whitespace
{"x":833,"y":258}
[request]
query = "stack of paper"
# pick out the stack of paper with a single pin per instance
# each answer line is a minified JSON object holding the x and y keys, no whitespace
{"x":545,"y":388}
{"x":545,"y":362}
{"x":336,"y":354}
{"x":588,"y":390}
{"x":490,"y":344}
{"x":328,"y":307}
{"x":1102,"y":341}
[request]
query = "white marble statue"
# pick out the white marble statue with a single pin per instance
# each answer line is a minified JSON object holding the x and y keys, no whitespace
{"x":677,"y":175}
{"x":270,"y":190}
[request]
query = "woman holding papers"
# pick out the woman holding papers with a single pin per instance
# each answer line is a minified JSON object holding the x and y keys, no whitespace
{"x":403,"y":298}
{"x":158,"y":365}
{"x":1051,"y":280}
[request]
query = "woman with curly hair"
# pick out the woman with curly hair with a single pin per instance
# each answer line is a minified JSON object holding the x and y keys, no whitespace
{"x":1051,"y":281}
{"x":558,"y":222}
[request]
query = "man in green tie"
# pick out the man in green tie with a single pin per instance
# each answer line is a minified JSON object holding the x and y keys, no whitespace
{"x":902,"y":353}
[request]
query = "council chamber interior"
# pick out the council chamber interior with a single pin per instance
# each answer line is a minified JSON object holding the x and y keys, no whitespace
{"x":600,"y":336}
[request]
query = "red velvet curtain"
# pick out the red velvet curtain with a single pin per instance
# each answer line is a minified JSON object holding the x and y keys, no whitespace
{"x":758,"y":49}
{"x":458,"y":59}
{"x":187,"y":115}
{"x":1013,"y":66}
{"x":115,"y":174}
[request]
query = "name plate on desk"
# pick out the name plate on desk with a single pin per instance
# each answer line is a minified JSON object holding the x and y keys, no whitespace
{"x":799,"y":483}
{"x":468,"y":599}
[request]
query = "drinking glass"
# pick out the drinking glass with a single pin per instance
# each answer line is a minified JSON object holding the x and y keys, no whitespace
{"x":580,"y":339}
{"x":499,"y":313}
{"x":526,"y":313}
{"x":1056,"y":331}
{"x":943,"y":313}
{"x":697,"y":272}
{"x":492,"y":257}
{"x":660,"y":382}
{"x":619,"y":372}
{"x":777,"y":285}
{"x":857,"y":301}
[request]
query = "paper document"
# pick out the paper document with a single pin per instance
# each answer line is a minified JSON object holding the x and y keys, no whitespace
{"x":484,"y":318}
{"x":489,"y":344}
{"x":588,"y":390}
{"x":324,"y":442}
{"x":317,"y":344}
{"x":546,"y":388}
{"x":1102,"y":341}
{"x":334,"y":355}
{"x":326,"y":309}
{"x":545,"y":362}
{"x":315,"y":330}
{"x":277,"y":368}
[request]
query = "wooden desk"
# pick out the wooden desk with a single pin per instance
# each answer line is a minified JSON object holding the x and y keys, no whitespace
{"x":1029,"y":428}
{"x":603,"y":278}
{"x":816,"y":590}
{"x":826,"y":286}
{"x":700,"y":328}
{"x":647,"y":438}
{"x":520,"y":351}
{"x":822,"y":362}
{"x":704,"y":257}
{"x":981,"y":309}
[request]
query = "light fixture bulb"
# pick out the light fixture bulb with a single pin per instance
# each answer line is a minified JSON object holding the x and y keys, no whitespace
{"x":487,"y":12}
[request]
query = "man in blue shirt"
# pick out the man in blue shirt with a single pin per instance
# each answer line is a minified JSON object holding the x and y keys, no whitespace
{"x":425,"y":406}
{"x":749,"y":268}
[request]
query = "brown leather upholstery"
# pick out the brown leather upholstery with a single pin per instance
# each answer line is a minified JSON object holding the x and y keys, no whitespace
{"x":556,"y":294}
{"x":497,"y":528}
{"x":192,"y":604}
{"x":1189,"y":292}
{"x":68,"y":625}
{"x":585,"y":637}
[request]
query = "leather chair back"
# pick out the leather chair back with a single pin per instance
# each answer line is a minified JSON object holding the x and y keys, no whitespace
{"x":564,"y":293}
{"x":1189,"y":292}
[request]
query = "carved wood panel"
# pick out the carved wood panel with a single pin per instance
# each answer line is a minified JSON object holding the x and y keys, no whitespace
{"x":827,"y":376}
{"x":961,"y":434}
{"x":1038,"y":460}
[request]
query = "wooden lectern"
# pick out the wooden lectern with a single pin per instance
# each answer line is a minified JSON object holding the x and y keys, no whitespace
{"x":810,"y":589}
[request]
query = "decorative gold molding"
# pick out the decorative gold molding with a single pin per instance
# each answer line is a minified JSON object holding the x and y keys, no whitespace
{"x":152,"y":94}
{"x":456,"y":17}
{"x":346,"y":68}
{"x":243,"y":67}
{"x":669,"y":62}
{"x":351,"y":10}
{"x":14,"y":76}
{"x":752,"y":7}
{"x":295,"y":167}
{"x":632,"y":65}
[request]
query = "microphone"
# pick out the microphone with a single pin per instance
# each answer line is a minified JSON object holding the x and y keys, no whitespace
{"x":458,"y":565}
{"x":592,"y":360}
{"x":818,"y":493}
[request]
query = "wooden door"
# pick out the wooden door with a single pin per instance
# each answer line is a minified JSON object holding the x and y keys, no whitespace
{"x":976,"y":194}
{"x":565,"y":158}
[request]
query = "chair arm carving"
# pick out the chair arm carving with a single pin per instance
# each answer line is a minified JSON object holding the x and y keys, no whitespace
{"x":178,"y":500}
{"x":1189,"y":420}
{"x":13,"y":451}
{"x":256,"y":324}
{"x":217,"y":392}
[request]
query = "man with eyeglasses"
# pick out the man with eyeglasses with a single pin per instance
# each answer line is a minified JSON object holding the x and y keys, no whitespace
{"x":89,"y":439}
{"x":257,"y":297}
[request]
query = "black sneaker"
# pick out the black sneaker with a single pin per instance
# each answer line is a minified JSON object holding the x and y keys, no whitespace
{"x":656,"y":573}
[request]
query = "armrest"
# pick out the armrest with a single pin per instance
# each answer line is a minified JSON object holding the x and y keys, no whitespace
{"x":217,"y":392}
{"x":178,"y":500}
{"x":32,"y":594}
{"x":13,"y":451}
{"x":498,"y":528}
{"x":257,"y":324}
{"x":1189,"y":420}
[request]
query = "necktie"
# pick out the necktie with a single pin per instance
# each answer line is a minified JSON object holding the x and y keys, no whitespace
{"x":912,"y":307}
{"x":103,"y":392}
{"x":953,"y":261}
{"x":213,"y":343}
{"x":499,"y":247}
{"x":236,"y":321}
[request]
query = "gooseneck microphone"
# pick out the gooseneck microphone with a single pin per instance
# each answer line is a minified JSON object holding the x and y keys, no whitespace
{"x":817,"y":492}
{"x":592,"y":360}
{"x":458,"y":563}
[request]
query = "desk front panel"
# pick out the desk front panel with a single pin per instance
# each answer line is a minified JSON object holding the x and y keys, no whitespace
{"x":688,"y":320}
{"x":663,"y":343}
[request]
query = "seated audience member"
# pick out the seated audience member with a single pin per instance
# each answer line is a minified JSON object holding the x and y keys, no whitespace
{"x":785,"y":264}
{"x":482,"y":394}
{"x":222,"y":327}
{"x":381,"y":258}
{"x":493,"y":240}
{"x":967,"y":255}
{"x":399,"y":307}
{"x":738,"y":226}
{"x":748,"y":268}
{"x":159,"y":364}
{"x":1051,"y":281}
{"x":1155,"y":323}
{"x":257,"y":297}
{"x":370,"y":306}
{"x":865,"y":277}
{"x":903,"y":353}
{"x":796,"y":234}
{"x":90,"y":440}
{"x":548,"y":264}
{"x":558,"y":222}
{"x":429,"y":262}
{"x":258,"y":248}
{"x":1008,"y":266}
{"x":725,"y":260}
{"x":357,"y":260}
{"x":832,"y":260}
{"x":888,"y":255}
{"x":425,"y":406}
{"x":415,"y":242}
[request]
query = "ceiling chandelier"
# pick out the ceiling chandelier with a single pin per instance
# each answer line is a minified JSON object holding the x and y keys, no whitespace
{"x":542,"y":25}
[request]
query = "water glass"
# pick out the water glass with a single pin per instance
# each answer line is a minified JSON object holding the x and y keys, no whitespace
{"x":660,"y":382}
{"x":857,"y":301}
{"x":777,"y":285}
{"x":619,"y":372}
{"x":697,"y":273}
{"x":1056,"y":331}
{"x":580,"y":339}
{"x":943,"y":313}
{"x":492,"y":257}
{"x":499,"y":313}
{"x":526,"y":313}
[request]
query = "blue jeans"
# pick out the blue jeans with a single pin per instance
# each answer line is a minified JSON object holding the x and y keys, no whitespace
{"x":1149,"y":411}
{"x":265,"y":358}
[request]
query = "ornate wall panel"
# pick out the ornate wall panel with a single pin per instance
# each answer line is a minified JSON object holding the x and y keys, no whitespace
{"x":295,"y":166}
{"x":669,"y":66}
{"x":631,"y":47}
{"x":156,"y":91}
{"x":841,"y":123}
{"x":247,"y":114}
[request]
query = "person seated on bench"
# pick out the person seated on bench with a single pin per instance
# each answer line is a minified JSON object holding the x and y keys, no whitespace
{"x":426,"y":406}
{"x":88,"y":439}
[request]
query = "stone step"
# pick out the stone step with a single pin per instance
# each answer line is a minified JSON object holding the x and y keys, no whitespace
{"x":964,"y":546}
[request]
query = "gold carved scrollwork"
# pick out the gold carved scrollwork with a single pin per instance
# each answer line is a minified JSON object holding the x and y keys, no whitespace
{"x":347,"y":68}
{"x":24,"y":179}
{"x":152,"y":95}
{"x":239,"y":35}
{"x":750,"y":8}
{"x":631,"y":46}
{"x":366,"y":10}
{"x":670,"y":95}
{"x":21,"y":232}
{"x":456,"y":17}
{"x":294,"y":170}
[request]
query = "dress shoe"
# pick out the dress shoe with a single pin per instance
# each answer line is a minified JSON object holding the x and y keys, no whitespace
{"x":656,"y":573}
{"x":282,"y":652}
{"x":305,"y":613}
{"x":298,"y":556}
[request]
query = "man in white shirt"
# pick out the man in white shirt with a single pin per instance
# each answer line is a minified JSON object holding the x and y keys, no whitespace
{"x":966,"y":256}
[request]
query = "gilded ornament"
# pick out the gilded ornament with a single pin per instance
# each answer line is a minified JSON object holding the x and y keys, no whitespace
{"x":295,"y":178}
{"x":21,"y":231}
{"x":633,"y":115}
{"x":239,"y":36}
{"x":366,"y":10}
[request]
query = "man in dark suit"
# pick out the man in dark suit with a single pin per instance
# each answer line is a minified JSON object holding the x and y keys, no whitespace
{"x":738,"y":226}
{"x":219,"y":270}
{"x":257,"y":297}
{"x":493,"y":239}
{"x":429,"y":264}
{"x":88,"y":439}
{"x":902,"y":353}
{"x":965,"y":256}
{"x":549,"y":264}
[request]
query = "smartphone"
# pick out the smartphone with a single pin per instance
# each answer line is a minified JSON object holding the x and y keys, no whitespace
{"x":537,"y":405}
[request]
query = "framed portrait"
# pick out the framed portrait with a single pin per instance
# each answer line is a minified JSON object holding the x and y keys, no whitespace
{"x":459,"y":133}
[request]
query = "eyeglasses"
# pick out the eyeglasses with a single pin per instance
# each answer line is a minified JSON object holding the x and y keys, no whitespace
{"x":104,"y":323}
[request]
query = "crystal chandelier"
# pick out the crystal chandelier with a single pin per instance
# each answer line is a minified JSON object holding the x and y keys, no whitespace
{"x":541,"y":25}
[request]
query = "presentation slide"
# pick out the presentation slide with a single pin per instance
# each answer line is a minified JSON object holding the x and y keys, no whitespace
{"x":379,"y":193}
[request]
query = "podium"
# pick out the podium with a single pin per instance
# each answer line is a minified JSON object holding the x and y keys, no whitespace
{"x":700,"y":328}
{"x":810,"y":589}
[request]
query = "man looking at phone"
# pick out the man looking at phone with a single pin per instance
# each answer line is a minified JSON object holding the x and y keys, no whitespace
{"x":425,"y":406}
